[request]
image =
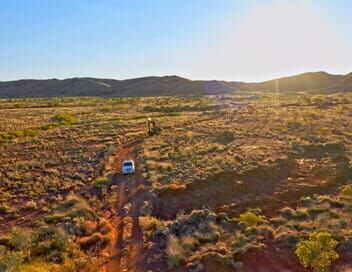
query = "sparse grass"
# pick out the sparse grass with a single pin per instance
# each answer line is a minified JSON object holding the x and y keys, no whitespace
{"x":49,"y":147}
{"x":44,"y":249}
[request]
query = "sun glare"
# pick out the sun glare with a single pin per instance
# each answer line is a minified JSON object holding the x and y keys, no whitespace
{"x":278,"y":38}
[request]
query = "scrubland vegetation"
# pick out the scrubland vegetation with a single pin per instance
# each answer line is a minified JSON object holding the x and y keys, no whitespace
{"x":232,"y":183}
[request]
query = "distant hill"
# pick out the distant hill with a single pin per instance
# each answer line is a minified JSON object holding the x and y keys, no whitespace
{"x":314,"y":81}
{"x":147,"y":86}
{"x":342,"y":85}
{"x":170,"y":85}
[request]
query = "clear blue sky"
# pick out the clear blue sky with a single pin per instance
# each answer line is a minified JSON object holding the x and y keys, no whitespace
{"x":198,"y":39}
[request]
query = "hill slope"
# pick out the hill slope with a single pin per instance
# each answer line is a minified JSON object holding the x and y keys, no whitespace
{"x":170,"y":85}
{"x":343,"y":85}
{"x":147,"y":86}
{"x":314,"y":81}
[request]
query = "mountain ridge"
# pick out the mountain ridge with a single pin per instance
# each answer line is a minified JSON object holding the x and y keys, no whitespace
{"x":170,"y":85}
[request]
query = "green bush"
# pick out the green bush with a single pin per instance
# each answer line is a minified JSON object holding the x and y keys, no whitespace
{"x":347,"y":191}
{"x":102,"y":181}
{"x":318,"y":251}
{"x":249,"y":218}
{"x":65,"y":118}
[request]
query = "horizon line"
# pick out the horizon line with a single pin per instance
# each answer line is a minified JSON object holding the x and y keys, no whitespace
{"x":174,"y":75}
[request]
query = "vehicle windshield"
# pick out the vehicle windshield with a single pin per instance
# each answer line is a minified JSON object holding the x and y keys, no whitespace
{"x":127,"y":164}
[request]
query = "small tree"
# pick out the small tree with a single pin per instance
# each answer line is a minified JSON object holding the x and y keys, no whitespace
{"x":318,"y":251}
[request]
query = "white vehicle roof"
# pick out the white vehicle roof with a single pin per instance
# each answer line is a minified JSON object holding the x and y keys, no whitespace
{"x":127,"y":161}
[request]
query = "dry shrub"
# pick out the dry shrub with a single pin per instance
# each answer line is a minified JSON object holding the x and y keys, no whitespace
{"x":287,"y":212}
{"x":87,"y":227}
{"x":173,"y":187}
{"x":95,"y":242}
{"x":175,"y":252}
{"x":146,"y":208}
{"x":104,"y":226}
{"x":30,"y":205}
{"x":286,"y":237}
{"x":189,"y":243}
